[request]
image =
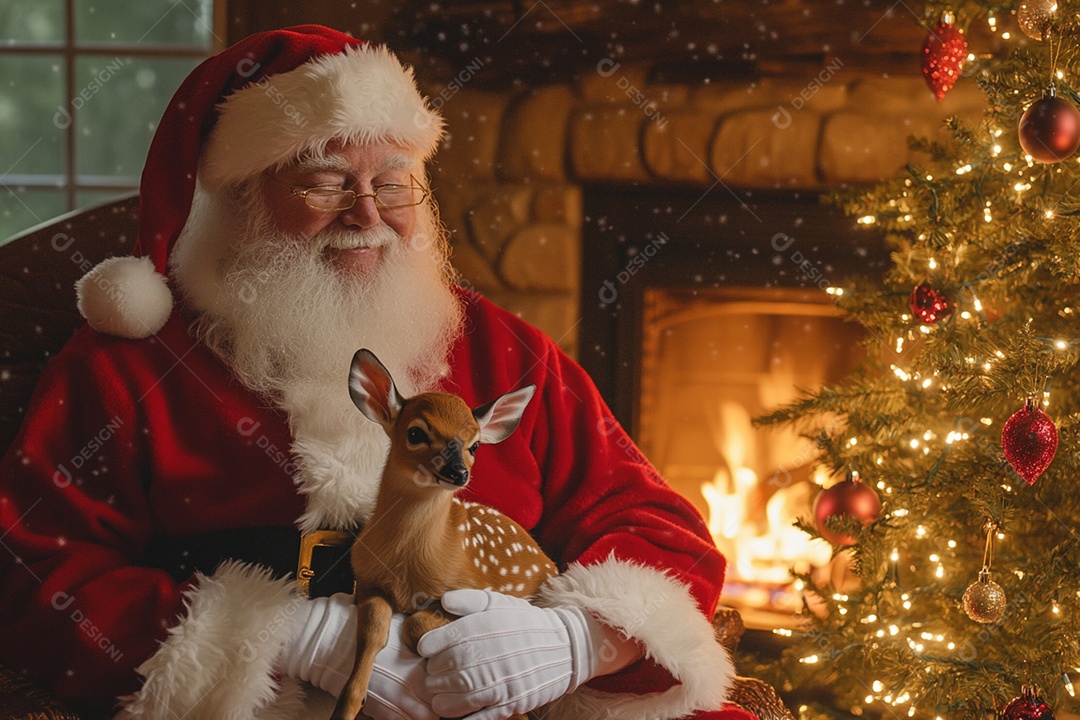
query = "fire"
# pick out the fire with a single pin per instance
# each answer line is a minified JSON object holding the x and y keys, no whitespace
{"x":752,"y":522}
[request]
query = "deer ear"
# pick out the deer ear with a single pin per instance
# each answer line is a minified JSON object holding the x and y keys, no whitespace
{"x":501,"y":416}
{"x":372,"y":389}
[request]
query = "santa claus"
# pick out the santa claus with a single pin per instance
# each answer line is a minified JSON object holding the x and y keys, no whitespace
{"x":176,"y":451}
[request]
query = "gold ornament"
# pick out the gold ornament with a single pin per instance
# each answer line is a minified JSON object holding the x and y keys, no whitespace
{"x":984,"y":600}
{"x":1035,"y":17}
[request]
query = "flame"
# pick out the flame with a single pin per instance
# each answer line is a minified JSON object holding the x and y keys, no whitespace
{"x":761,"y":547}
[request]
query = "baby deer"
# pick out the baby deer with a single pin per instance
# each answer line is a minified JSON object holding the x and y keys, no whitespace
{"x":421,"y":541}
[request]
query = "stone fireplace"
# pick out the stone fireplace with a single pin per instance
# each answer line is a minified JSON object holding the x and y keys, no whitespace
{"x":511,"y":176}
{"x":671,"y":237}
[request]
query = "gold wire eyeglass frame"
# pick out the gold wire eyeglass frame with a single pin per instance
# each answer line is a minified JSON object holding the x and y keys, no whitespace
{"x":323,"y":199}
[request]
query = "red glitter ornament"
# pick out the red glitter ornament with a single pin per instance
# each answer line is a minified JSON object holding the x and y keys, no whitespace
{"x":1029,"y":706}
{"x":1030,"y":440}
{"x":929,"y":305}
{"x":1050,"y":129}
{"x":943,"y":55}
{"x":848,"y":497}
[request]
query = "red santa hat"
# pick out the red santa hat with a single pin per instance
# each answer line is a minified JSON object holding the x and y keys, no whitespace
{"x":259,"y":103}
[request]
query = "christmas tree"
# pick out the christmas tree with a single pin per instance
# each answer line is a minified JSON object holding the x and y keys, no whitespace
{"x":964,"y":421}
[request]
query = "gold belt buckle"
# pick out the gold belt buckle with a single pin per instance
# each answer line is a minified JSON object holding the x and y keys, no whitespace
{"x":308,"y":543}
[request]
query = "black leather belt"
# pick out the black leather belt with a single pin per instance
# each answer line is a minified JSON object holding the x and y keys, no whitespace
{"x":319,"y":560}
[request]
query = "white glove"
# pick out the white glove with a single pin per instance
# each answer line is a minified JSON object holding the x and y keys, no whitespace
{"x":324,"y":651}
{"x":505,"y":656}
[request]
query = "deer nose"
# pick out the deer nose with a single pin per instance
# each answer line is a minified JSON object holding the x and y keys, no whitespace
{"x":456,"y":473}
{"x":454,"y":470}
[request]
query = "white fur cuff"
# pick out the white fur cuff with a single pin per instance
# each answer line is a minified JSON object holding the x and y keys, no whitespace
{"x":659,"y":612}
{"x":218,"y":661}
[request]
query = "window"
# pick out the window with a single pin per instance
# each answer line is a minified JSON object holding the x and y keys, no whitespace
{"x":82,"y":86}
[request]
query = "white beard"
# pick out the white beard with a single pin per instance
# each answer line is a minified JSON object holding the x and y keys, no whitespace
{"x":288,"y":324}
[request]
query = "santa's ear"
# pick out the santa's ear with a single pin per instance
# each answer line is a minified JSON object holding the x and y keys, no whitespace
{"x":372,"y":389}
{"x":501,"y":416}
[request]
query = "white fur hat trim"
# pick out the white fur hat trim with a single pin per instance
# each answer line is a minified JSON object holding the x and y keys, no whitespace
{"x":125,"y":296}
{"x":362,"y":94}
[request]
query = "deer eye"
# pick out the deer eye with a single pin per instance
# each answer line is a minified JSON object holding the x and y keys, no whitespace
{"x":416,"y":436}
{"x":473,"y":448}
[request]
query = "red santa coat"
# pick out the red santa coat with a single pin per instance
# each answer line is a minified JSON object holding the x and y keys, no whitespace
{"x":126,"y":441}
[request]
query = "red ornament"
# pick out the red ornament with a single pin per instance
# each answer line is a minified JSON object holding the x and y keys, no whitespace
{"x":848,"y":497}
{"x":1050,"y":129}
{"x":1029,"y":706}
{"x":943,"y":55}
{"x":929,"y":305}
{"x":1030,"y":440}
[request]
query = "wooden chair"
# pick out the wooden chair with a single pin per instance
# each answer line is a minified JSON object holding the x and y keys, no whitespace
{"x":38,"y":270}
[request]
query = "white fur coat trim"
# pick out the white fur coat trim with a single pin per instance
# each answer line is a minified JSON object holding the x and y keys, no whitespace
{"x":363,"y":94}
{"x":339,"y":479}
{"x":217,"y":662}
{"x":658,"y":611}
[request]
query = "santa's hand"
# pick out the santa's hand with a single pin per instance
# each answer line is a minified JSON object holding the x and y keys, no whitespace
{"x":324,"y":651}
{"x":505,"y":656}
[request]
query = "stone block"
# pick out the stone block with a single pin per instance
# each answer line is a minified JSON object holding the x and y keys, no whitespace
{"x":859,"y":147}
{"x":604,"y":143}
{"x":558,"y":204}
{"x":608,"y":80}
{"x":756,"y":148}
{"x":470,"y":147}
{"x":678,"y":149}
{"x":496,"y":214}
{"x":476,"y":270}
{"x":543,"y":257}
{"x":556,"y":314}
{"x":533,"y":141}
{"x":820,"y":93}
{"x":885,"y":96}
{"x":965,"y":100}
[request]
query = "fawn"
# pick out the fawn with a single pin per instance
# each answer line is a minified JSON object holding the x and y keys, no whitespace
{"x":420,"y":541}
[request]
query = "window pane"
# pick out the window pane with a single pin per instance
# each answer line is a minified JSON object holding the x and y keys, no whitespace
{"x":21,"y":208}
{"x":185,"y":23}
{"x":32,"y":115}
{"x":38,"y":21}
{"x":123,"y":101}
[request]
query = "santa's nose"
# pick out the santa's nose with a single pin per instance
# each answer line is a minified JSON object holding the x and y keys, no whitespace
{"x":364,"y":214}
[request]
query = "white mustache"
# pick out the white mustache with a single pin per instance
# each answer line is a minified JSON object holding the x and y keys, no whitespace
{"x":376,"y":237}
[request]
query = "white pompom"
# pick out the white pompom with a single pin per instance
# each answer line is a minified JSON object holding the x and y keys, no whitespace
{"x":125,"y":296}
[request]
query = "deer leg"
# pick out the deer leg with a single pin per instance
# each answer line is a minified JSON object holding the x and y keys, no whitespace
{"x":420,"y":622}
{"x":373,"y":613}
{"x":430,"y":618}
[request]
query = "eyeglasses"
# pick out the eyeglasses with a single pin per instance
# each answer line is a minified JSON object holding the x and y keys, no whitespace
{"x":386,"y":196}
